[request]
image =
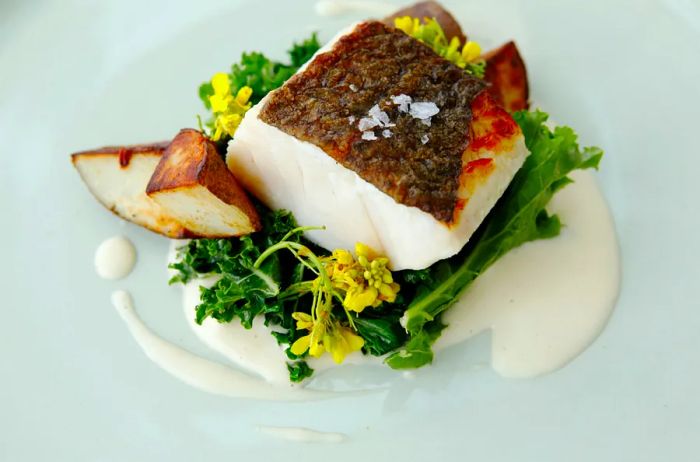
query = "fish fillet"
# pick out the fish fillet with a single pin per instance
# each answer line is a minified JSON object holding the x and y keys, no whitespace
{"x":418,"y":186}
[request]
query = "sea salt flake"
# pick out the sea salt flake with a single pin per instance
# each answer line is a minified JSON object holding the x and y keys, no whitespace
{"x":369,"y":135}
{"x":377,"y":114}
{"x":353,"y":87}
{"x":424,"y":139}
{"x":374,"y":111}
{"x":367,"y":123}
{"x":384,"y":119}
{"x":351,"y":120}
{"x":387,"y":133}
{"x":402,"y":101}
{"x":423,"y":110}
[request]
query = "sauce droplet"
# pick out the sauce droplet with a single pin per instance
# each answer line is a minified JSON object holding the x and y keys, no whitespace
{"x":115,"y":258}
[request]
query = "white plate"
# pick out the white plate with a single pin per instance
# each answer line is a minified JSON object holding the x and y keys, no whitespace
{"x":75,"y":386}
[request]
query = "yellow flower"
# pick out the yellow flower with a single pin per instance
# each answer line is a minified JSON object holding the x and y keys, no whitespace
{"x":221,"y":83}
{"x":304,"y":320}
{"x":376,"y":273}
{"x":340,"y":267}
{"x":325,"y":335}
{"x":244,"y":95}
{"x":365,"y":282}
{"x":342,"y":341}
{"x":407,"y":24}
{"x":359,"y":282}
{"x":431,"y":33}
{"x":227,"y":123}
{"x":358,"y":298}
{"x":228,"y":110}
{"x":314,"y":340}
{"x":222,"y":93}
{"x":343,"y":257}
{"x":471,"y":51}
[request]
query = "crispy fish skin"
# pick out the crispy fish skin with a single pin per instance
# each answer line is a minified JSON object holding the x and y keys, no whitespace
{"x":368,"y":67}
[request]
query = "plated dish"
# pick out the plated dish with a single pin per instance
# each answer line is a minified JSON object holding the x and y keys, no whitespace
{"x":348,"y":203}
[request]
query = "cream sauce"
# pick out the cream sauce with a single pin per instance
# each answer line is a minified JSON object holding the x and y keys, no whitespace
{"x":115,"y":258}
{"x":198,"y":372}
{"x":340,"y":7}
{"x":302,"y":435}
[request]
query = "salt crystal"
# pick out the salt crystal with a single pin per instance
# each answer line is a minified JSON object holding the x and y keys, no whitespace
{"x":378,"y":115}
{"x":353,"y":87}
{"x":424,"y":139}
{"x":423,"y":110}
{"x":384,"y":119}
{"x":366,"y":123}
{"x":386,"y":133}
{"x":351,"y":120}
{"x":402,"y":101}
{"x":369,"y":135}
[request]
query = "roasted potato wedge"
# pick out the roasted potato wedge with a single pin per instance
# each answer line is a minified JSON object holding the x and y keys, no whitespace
{"x":193,"y":185}
{"x":431,"y":10}
{"x":505,"y":71}
{"x":117,"y":177}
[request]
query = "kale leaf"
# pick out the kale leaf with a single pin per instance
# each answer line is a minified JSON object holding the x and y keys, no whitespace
{"x":261,"y":73}
{"x":299,"y":370}
{"x":242,"y":291}
{"x":381,"y":334}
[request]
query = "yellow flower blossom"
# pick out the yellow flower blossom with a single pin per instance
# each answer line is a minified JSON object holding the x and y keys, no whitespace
{"x":341,"y":341}
{"x":407,"y":24}
{"x":365,"y":282}
{"x":304,"y":320}
{"x":314,"y":340}
{"x":471,"y":51}
{"x":431,"y":33}
{"x":325,"y":335}
{"x":222,"y":93}
{"x":376,"y":273}
{"x":358,"y":282}
{"x":243,"y":95}
{"x":228,"y":110}
{"x":358,"y":298}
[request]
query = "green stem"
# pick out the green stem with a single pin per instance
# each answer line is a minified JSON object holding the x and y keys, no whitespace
{"x":302,"y":229}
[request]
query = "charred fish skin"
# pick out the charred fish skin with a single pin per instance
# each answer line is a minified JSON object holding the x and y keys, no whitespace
{"x":373,"y":65}
{"x":416,"y":188}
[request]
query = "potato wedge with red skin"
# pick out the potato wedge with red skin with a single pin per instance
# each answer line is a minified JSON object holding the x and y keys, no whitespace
{"x":194,"y":186}
{"x":506,"y":72}
{"x":118,"y":175}
{"x":423,"y":10}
